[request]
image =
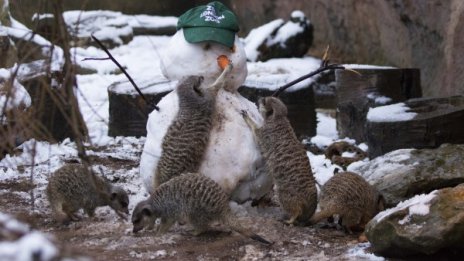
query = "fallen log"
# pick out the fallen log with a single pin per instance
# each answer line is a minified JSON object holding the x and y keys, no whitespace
{"x":436,"y":121}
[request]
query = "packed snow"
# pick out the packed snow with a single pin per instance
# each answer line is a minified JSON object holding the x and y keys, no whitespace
{"x":390,"y":113}
{"x":14,"y":97}
{"x":417,"y":205}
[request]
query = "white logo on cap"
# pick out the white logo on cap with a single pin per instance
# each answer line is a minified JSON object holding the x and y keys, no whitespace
{"x":210,"y":15}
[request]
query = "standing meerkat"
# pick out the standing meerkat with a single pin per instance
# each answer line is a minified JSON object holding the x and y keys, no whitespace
{"x":185,"y":142}
{"x":190,"y":197}
{"x":352,"y":198}
{"x":286,"y":160}
{"x":73,"y":187}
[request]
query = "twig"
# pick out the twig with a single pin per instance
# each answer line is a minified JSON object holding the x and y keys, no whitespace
{"x":326,"y":67}
{"x":123,"y":70}
{"x":95,"y":59}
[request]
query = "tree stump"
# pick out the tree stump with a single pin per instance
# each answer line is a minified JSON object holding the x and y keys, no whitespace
{"x":438,"y":121}
{"x":128,"y":112}
{"x":300,"y":105}
{"x":374,"y":87}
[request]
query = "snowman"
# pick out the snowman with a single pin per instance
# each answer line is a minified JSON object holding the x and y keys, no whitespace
{"x":232,"y":157}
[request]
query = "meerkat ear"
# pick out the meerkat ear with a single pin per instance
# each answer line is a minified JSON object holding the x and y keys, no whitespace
{"x":146,"y":211}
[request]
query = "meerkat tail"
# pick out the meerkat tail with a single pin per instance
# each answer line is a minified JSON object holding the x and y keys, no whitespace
{"x":221,"y":80}
{"x":235,"y":226}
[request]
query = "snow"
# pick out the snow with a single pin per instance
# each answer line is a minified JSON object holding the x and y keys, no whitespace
{"x":289,"y":29}
{"x":12,"y":98}
{"x":32,"y":245}
{"x":257,"y":36}
{"x":149,"y":21}
{"x":390,"y":113}
{"x":18,"y":30}
{"x":389,"y":164}
{"x":272,"y":74}
{"x":359,"y":253}
{"x":417,"y":205}
{"x":297,"y":14}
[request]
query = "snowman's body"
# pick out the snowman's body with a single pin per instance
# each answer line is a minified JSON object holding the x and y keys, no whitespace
{"x":232,"y":157}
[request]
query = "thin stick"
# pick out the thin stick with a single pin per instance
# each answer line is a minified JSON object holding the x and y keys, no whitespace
{"x":304,"y":77}
{"x":123,"y":70}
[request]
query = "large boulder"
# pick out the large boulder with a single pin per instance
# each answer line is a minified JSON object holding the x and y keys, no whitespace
{"x":422,"y":225}
{"x":401,"y":174}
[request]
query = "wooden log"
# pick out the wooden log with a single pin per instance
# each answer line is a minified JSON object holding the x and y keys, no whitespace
{"x":374,"y":87}
{"x":438,"y":121}
{"x":300,"y":105}
{"x":128,"y":112}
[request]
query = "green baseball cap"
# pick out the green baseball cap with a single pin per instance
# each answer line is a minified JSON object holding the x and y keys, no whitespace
{"x":211,"y":22}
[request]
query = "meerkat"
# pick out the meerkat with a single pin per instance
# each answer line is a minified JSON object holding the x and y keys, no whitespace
{"x":286,"y":160}
{"x":192,"y":198}
{"x":350,"y":197}
{"x":185,"y":142}
{"x":335,"y":153}
{"x":73,"y":187}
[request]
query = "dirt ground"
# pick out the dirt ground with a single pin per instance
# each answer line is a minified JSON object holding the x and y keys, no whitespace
{"x":106,"y":237}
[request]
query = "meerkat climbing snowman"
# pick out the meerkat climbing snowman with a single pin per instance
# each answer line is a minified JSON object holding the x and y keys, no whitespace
{"x":232,"y":158}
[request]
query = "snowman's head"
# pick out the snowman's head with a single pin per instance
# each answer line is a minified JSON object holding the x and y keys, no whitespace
{"x":205,"y":33}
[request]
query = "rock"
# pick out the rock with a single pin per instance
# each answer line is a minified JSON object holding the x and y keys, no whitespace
{"x":128,"y":112}
{"x":375,"y":86}
{"x":433,"y":121}
{"x":422,"y":225}
{"x":280,"y":40}
{"x":403,"y":173}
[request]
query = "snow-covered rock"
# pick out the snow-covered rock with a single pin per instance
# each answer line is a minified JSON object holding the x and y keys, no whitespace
{"x":278,"y":39}
{"x":403,"y":173}
{"x":424,"y":224}
{"x":232,"y":154}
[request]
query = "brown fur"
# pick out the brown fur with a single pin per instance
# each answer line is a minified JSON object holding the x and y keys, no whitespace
{"x":190,"y":197}
{"x":352,"y":198}
{"x":185,"y":142}
{"x":72,"y":187}
{"x":335,"y":151}
{"x":286,"y":160}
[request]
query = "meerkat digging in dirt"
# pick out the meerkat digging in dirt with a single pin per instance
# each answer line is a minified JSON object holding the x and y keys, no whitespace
{"x":72,"y":187}
{"x":190,"y":197}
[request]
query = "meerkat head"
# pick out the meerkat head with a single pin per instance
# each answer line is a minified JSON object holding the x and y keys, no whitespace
{"x":143,"y":216}
{"x":119,"y":201}
{"x":191,"y":85}
{"x":272,"y":107}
